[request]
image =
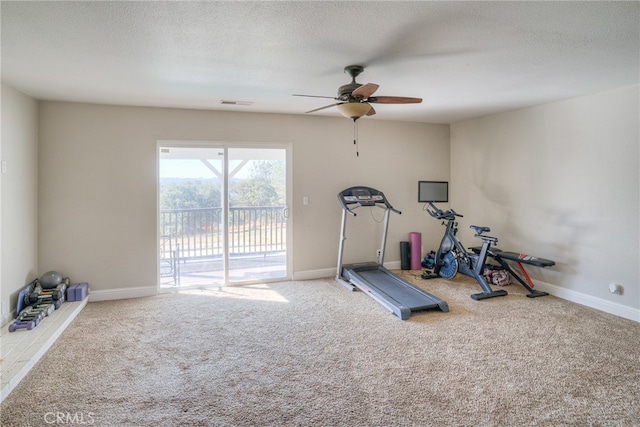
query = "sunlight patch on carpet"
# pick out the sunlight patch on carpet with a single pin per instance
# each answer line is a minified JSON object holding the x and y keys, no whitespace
{"x":257,"y":292}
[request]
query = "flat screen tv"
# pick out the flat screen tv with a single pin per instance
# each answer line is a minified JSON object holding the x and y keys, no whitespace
{"x":433,"y":191}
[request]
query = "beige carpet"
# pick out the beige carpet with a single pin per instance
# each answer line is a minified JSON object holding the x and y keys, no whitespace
{"x":313,"y":354}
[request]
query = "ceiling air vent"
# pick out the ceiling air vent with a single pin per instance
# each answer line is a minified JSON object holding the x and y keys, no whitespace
{"x":245,"y":103}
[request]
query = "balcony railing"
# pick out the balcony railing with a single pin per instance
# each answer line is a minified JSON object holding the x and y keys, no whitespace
{"x":192,"y":234}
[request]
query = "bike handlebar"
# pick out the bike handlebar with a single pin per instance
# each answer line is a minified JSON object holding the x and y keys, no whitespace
{"x":438,"y":213}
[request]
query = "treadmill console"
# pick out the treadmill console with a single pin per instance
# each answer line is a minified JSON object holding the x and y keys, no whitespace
{"x":362,"y":196}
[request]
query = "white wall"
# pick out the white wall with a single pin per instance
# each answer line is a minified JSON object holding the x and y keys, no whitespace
{"x":97,"y":183}
{"x":559,"y":181}
{"x":18,"y":191}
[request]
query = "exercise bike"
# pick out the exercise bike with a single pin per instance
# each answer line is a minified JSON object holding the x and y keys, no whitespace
{"x":452,"y":257}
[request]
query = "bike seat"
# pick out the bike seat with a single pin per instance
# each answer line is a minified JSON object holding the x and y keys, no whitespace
{"x":479,"y":229}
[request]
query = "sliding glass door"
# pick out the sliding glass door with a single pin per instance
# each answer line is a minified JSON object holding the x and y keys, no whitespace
{"x":222,"y":215}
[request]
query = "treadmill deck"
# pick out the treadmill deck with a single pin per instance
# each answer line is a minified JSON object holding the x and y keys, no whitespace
{"x":396,"y":294}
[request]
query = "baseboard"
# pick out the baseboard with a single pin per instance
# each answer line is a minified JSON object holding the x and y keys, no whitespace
{"x":314,"y":274}
{"x":590,"y":301}
{"x":393,"y":265}
{"x":331,"y":272}
{"x":124,"y":293}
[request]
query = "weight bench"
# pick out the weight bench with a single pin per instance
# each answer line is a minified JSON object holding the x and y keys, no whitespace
{"x":502,"y":257}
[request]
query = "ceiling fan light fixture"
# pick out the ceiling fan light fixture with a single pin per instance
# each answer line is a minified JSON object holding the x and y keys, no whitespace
{"x":354,"y":110}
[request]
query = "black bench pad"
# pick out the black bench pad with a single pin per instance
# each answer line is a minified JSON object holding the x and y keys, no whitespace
{"x":514,"y":256}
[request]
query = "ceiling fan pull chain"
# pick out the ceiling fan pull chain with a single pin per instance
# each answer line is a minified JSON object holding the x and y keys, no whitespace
{"x":355,"y":137}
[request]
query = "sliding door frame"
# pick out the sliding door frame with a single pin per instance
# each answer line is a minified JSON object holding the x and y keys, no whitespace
{"x":226,"y":146}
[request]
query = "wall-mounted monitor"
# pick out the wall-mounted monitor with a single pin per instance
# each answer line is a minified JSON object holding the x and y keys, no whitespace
{"x":433,"y":191}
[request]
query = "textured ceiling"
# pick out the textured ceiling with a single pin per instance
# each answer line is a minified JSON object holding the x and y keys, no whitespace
{"x":465,"y":59}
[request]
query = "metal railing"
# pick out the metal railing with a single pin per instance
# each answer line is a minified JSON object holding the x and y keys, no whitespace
{"x":191,"y":234}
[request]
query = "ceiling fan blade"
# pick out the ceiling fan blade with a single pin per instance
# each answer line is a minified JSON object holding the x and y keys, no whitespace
{"x":371,"y":112}
{"x":326,"y":106}
{"x":316,"y":96}
{"x":395,"y":100}
{"x":365,"y":90}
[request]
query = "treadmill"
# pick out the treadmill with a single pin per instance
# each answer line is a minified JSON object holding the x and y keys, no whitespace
{"x":392,"y":292}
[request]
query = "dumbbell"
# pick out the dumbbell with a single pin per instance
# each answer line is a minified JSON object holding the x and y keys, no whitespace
{"x":34,"y":296}
{"x":33,"y":315}
{"x":47,"y":309}
{"x":31,"y":289}
{"x":22,"y":325}
{"x":28,"y":309}
{"x":55,"y":293}
{"x":30,"y":313}
{"x":48,"y":301}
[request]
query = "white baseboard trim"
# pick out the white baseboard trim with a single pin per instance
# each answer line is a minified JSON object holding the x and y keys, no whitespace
{"x":590,"y":301}
{"x":393,"y":265}
{"x":331,"y":272}
{"x":124,"y":293}
{"x":314,"y":274}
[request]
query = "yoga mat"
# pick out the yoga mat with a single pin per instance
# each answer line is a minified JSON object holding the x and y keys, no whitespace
{"x":405,"y":259}
{"x":415,"y":247}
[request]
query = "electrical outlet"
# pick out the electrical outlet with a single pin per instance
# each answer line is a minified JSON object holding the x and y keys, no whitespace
{"x":616,"y":288}
{"x":378,"y":253}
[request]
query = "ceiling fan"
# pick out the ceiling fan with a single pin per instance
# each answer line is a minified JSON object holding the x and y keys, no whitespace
{"x":356,"y":99}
